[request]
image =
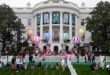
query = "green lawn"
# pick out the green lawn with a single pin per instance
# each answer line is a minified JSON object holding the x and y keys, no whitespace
{"x":36,"y":71}
{"x":85,"y":70}
{"x":81,"y":70}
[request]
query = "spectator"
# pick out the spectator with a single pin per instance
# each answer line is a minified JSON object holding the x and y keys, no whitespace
{"x":13,"y":62}
{"x":52,"y":66}
{"x":39,"y":65}
{"x":93,"y":58}
{"x":108,"y":69}
{"x":17,"y":64}
{"x":30,"y":59}
{"x":89,"y":57}
{"x":46,"y":66}
{"x":63,"y":64}
{"x":57,"y":66}
{"x":0,"y":64}
{"x":94,"y":67}
{"x":102,"y":61}
{"x":86,"y":57}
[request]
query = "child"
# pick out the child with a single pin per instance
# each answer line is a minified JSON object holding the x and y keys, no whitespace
{"x":57,"y":66}
{"x":13,"y":62}
{"x":94,"y":67}
{"x":63,"y":64}
{"x":25,"y":66}
{"x":52,"y":66}
{"x":108,"y":69}
{"x":46,"y":66}
{"x":0,"y":64}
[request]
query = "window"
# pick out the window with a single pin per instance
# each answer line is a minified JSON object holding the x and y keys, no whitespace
{"x":38,"y":33}
{"x":55,"y":35}
{"x":73,"y":19}
{"x":46,"y":18}
{"x":65,"y":35}
{"x":56,"y":18}
{"x":73,"y":32}
{"x":19,"y":19}
{"x":38,"y":19}
{"x":82,"y":22}
{"x":29,"y":21}
{"x":65,"y":18}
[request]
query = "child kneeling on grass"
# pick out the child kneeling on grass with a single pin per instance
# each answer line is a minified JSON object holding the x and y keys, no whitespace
{"x":46,"y":66}
{"x":57,"y":66}
{"x":108,"y":69}
{"x":94,"y":67}
{"x":52,"y":66}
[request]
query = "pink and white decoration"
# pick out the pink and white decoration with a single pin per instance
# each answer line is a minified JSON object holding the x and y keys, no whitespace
{"x":76,"y":40}
{"x":36,"y":40}
{"x":68,"y":56}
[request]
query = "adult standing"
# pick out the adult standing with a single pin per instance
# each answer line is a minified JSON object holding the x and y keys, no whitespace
{"x":13,"y":62}
{"x":102,"y":61}
{"x":63,"y":64}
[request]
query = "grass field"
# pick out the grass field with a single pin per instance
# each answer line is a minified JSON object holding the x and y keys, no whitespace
{"x":85,"y":70}
{"x":80,"y":69}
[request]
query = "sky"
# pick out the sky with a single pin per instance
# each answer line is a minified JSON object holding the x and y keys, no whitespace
{"x":22,"y":3}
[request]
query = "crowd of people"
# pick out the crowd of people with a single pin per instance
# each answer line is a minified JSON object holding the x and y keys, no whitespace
{"x":19,"y":62}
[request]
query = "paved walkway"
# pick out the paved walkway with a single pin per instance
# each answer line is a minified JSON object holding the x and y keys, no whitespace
{"x":72,"y":70}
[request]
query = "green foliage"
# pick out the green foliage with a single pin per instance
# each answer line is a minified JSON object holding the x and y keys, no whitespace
{"x":99,"y":25}
{"x":11,"y":28}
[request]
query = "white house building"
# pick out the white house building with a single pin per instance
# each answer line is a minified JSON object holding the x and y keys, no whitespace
{"x":61,"y":19}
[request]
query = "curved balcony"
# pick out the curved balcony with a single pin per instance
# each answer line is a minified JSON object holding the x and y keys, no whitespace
{"x":54,"y":4}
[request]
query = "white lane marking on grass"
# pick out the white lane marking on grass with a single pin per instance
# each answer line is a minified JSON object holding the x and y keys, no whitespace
{"x":72,"y":70}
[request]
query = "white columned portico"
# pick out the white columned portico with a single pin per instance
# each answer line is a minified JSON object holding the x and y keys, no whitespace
{"x":61,"y":29}
{"x":41,"y":27}
{"x":50,"y":29}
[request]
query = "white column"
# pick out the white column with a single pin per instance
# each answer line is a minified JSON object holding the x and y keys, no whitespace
{"x":70,"y":27}
{"x":35,"y":25}
{"x":61,"y":28}
{"x":76,"y":25}
{"x":50,"y":28}
{"x":41,"y":27}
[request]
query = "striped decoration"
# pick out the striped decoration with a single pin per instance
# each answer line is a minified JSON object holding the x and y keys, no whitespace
{"x":46,"y":35}
{"x":36,"y":40}
{"x":75,"y":40}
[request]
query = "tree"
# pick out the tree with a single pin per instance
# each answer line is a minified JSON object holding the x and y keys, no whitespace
{"x":11,"y":28}
{"x":99,"y":25}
